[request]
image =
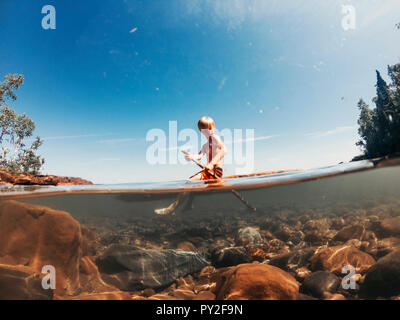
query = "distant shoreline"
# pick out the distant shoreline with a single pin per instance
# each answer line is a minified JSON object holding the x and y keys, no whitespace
{"x":7,"y":178}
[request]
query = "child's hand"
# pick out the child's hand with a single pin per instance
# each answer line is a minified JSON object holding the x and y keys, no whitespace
{"x":188,"y":156}
{"x":210,"y":167}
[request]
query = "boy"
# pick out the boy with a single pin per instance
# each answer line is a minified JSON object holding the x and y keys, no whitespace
{"x":214,"y":149}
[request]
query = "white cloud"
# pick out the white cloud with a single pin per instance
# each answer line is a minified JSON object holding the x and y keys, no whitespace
{"x":117,"y":141}
{"x":222,"y":83}
{"x":337,"y":130}
{"x":98,"y":161}
{"x":235,"y":12}
{"x":381,"y":10}
{"x":261,"y":138}
{"x":76,"y":136}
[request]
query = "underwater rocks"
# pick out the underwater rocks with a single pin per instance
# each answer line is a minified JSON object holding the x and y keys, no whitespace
{"x":317,"y":283}
{"x":36,"y":236}
{"x":390,"y":226}
{"x":349,"y":232}
{"x":285,"y":233}
{"x":293,"y":260}
{"x":255,"y":282}
{"x":248,"y":236}
{"x":132,"y":268}
{"x":333,"y":259}
{"x":227,"y":257}
{"x":386,"y":246}
{"x":21,"y":283}
{"x":90,"y":278}
{"x":383,"y":279}
{"x":7,"y":178}
{"x":186,"y":246}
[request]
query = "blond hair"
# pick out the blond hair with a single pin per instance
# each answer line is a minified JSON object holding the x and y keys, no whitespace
{"x":206,"y":123}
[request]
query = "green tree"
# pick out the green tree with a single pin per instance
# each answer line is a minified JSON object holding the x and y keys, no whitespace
{"x":379,"y":128}
{"x":15,"y":156}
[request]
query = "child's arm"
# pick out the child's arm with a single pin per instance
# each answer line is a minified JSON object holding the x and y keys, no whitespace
{"x":197,"y":157}
{"x":220,"y":152}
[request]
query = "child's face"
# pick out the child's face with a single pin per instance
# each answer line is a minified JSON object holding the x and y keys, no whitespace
{"x":207,"y":132}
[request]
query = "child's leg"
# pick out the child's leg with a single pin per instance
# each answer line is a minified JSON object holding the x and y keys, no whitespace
{"x":189,"y":203}
{"x":197,"y":177}
{"x":170,"y":210}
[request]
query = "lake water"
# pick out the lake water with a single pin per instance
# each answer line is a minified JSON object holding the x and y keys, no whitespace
{"x":294,"y":210}
{"x":350,"y":185}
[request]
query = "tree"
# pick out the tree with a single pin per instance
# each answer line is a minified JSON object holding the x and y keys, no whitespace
{"x":379,"y":128}
{"x":15,"y":156}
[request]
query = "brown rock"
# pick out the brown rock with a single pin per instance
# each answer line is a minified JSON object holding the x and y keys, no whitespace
{"x":186,"y":246}
{"x":7,"y":178}
{"x":293,"y":260}
{"x":256,"y":254}
{"x":354,"y":243}
{"x":276,"y":246}
{"x":315,"y":238}
{"x":382,"y":247}
{"x":90,"y":279}
{"x":333,"y":296}
{"x":183,"y":294}
{"x":22,"y":283}
{"x":333,"y":259}
{"x":163,"y":296}
{"x":205,"y":274}
{"x":255,"y":282}
{"x":383,"y":279}
{"x":89,"y":247}
{"x":387,"y":245}
{"x":204,"y":287}
{"x":391,"y":226}
{"x":148,"y":292}
{"x":302,"y":273}
{"x":350,"y":232}
{"x":186,"y":283}
{"x":205,"y":295}
{"x":36,"y":236}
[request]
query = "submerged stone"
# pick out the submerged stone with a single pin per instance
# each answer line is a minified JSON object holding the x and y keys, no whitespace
{"x":131,"y":268}
{"x":333,"y":259}
{"x":228,"y":257}
{"x":391,"y":226}
{"x":293,"y":260}
{"x":349,"y":232}
{"x":21,"y":283}
{"x":383,"y":279}
{"x":255,"y":282}
{"x":36,"y":236}
{"x":319,"y":282}
{"x":248,"y":236}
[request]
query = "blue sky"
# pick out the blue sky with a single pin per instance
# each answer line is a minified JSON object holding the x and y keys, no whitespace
{"x":286,"y":69}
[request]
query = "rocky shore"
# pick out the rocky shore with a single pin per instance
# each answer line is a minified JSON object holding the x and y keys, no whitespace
{"x":290,"y":255}
{"x":43,"y":180}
